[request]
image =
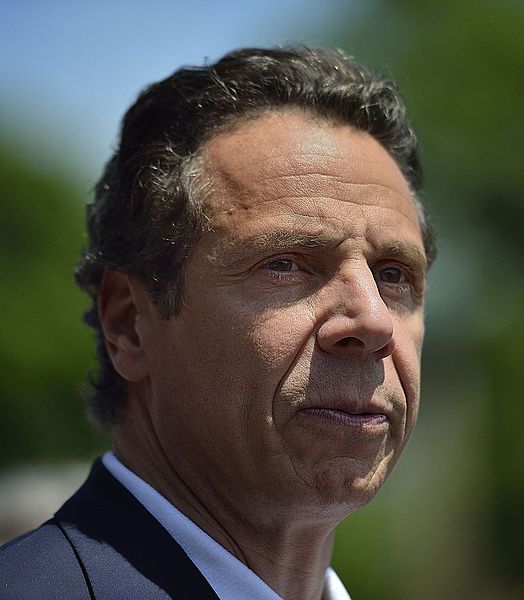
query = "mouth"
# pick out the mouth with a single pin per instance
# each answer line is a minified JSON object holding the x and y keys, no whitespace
{"x":361,"y":420}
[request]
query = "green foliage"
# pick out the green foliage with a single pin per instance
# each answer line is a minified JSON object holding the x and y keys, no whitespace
{"x":44,"y":348}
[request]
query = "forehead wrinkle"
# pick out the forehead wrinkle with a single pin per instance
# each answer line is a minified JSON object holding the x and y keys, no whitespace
{"x":245,"y":176}
{"x":317,"y":147}
{"x":243,"y":168}
{"x":234,"y":181}
{"x":313,"y":207}
{"x":383,"y":190}
{"x":230,"y":188}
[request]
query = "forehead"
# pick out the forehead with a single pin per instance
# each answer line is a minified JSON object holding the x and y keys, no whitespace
{"x":297,"y":166}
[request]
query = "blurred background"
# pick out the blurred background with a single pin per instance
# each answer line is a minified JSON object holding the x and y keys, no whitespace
{"x":448,"y":523}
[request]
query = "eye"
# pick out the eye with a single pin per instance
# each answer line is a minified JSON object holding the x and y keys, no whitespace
{"x":281,"y":265}
{"x":286,"y":270}
{"x":392,"y":275}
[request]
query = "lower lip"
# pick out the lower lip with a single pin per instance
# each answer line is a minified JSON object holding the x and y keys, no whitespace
{"x":361,"y":421}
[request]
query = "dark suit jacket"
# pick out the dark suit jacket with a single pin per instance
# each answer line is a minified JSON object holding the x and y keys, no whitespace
{"x":101,"y":544}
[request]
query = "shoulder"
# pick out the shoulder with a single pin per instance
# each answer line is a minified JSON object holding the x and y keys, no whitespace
{"x":39,"y":565}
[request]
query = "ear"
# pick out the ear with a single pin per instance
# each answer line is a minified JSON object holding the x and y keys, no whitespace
{"x":121,"y":299}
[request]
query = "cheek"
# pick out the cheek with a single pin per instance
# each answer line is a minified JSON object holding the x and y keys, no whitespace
{"x":237,"y":350}
{"x":406,"y":361}
{"x":278,"y":337}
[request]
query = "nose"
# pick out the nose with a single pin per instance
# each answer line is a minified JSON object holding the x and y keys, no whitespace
{"x":359,"y":322}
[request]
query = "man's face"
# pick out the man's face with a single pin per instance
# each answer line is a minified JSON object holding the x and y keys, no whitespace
{"x":290,"y":376}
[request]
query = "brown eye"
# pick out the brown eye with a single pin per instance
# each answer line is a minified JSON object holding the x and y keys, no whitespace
{"x":281,"y":265}
{"x":392,"y":275}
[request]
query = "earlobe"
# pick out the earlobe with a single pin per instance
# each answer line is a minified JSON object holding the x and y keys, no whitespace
{"x":121,"y":300}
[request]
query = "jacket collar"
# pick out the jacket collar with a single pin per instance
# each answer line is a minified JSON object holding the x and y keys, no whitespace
{"x":123,"y":550}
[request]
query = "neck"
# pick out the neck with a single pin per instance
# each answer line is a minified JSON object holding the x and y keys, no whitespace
{"x":291,"y":555}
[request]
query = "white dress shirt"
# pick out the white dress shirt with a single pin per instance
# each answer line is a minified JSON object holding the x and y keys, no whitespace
{"x":229,"y":578}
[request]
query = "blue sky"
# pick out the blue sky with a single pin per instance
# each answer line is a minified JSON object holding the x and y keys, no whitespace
{"x":71,"y":68}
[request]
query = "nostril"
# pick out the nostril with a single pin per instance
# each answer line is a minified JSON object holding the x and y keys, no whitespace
{"x":356,"y":335}
{"x":385,"y":350}
{"x":350,"y":342}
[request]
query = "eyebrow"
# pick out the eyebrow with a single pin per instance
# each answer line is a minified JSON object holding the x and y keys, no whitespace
{"x":409,"y":251}
{"x":236,"y":252}
{"x":273,"y":241}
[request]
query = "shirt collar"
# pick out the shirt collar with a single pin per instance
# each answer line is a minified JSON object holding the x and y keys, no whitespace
{"x":229,"y":577}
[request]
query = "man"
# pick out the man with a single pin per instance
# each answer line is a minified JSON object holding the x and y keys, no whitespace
{"x":257,"y":258}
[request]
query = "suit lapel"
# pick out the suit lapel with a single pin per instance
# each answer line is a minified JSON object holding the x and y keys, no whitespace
{"x":124,"y":551}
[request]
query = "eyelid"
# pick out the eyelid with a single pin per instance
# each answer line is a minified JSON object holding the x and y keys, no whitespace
{"x":406,"y":272}
{"x":282,"y":256}
{"x":298,"y":265}
{"x":293,"y":262}
{"x":300,"y":270}
{"x":414,"y":278}
{"x":411,"y":271}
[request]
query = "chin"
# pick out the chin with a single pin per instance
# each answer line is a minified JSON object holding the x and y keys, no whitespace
{"x":347,"y":489}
